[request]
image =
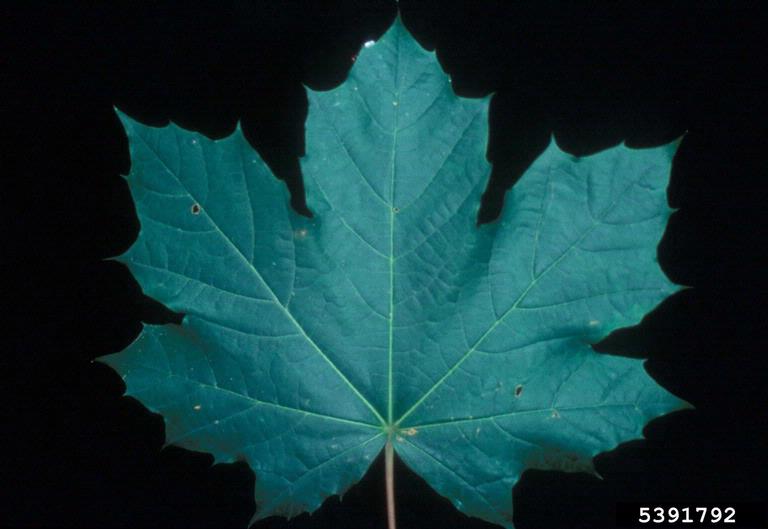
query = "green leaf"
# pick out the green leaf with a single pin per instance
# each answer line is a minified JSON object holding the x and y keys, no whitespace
{"x":308,"y":343}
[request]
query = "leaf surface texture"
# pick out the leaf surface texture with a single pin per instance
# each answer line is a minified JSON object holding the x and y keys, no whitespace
{"x":306,"y":342}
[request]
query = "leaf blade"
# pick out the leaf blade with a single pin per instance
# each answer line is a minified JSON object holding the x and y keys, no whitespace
{"x":390,"y":312}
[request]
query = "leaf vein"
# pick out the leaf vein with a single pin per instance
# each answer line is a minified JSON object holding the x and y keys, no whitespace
{"x":258,"y":275}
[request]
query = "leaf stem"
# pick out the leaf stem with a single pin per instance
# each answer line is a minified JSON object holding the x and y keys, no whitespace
{"x":389,"y":472}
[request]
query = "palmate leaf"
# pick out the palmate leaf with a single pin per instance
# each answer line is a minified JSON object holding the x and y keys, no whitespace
{"x":308,"y":343}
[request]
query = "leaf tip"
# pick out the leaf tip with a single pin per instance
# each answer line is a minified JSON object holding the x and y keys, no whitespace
{"x":670,"y":149}
{"x":554,"y":147}
{"x":677,"y":141}
{"x":100,"y":360}
{"x":238,"y":127}
{"x":111,"y":360}
{"x":683,"y":405}
{"x":125,"y":119}
{"x":122,"y":258}
{"x":309,"y":92}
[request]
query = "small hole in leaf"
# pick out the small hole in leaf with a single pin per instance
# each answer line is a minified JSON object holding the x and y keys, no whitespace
{"x":395,"y":210}
{"x":518,"y":390}
{"x":195,"y":209}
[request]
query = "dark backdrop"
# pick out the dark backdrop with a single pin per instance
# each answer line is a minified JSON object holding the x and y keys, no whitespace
{"x":77,"y":454}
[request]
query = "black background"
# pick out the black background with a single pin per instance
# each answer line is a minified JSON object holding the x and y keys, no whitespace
{"x":77,"y":454}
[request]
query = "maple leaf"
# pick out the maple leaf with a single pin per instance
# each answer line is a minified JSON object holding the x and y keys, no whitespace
{"x":390,"y":318}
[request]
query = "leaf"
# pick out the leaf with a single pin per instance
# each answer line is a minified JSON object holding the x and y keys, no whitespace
{"x":308,"y":343}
